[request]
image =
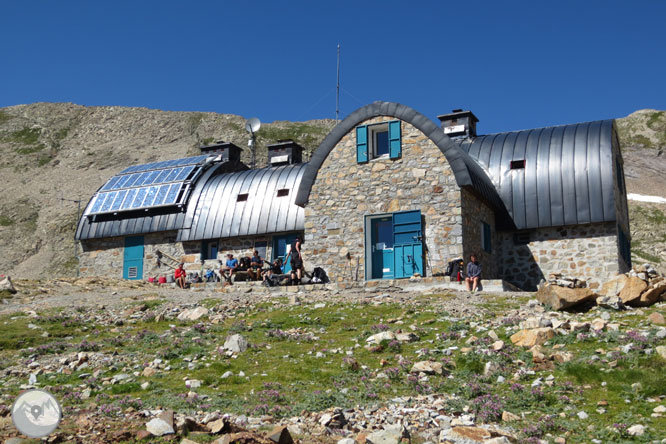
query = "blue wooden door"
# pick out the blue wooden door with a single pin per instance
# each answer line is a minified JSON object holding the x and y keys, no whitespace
{"x":381,"y":233}
{"x":280,"y":247}
{"x":133,"y":258}
{"x":407,"y":243}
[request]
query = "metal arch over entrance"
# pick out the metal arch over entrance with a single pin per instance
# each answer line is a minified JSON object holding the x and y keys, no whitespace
{"x":466,"y":171}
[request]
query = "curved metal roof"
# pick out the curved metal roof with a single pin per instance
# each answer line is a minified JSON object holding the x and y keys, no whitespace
{"x":215,"y":210}
{"x":466,"y":171}
{"x":567,"y":178}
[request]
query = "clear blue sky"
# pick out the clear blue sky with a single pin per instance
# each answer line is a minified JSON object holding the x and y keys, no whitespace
{"x":516,"y":64}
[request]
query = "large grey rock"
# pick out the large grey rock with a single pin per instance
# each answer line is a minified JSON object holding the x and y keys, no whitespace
{"x":392,"y":434}
{"x":193,"y":314}
{"x":6,"y":285}
{"x":235,"y":343}
{"x":159,"y":427}
{"x":382,"y":336}
{"x":428,"y":367}
{"x":612,"y":302}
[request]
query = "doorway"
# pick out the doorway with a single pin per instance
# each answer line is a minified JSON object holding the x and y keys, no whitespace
{"x":133,"y":258}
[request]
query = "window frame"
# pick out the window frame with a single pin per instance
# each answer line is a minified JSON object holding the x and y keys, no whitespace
{"x":486,"y":241}
{"x":373,"y":131}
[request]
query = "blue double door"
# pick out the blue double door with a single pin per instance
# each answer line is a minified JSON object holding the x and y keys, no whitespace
{"x":395,"y":245}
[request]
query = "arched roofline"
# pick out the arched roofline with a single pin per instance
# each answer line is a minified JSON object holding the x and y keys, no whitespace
{"x":457,"y":158}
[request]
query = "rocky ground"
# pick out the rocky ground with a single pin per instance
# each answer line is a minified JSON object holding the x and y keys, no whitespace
{"x":136,"y":363}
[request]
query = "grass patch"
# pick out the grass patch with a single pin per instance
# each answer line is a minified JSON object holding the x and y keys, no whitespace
{"x":5,"y":116}
{"x":645,"y":255}
{"x":6,"y":221}
{"x":26,"y":136}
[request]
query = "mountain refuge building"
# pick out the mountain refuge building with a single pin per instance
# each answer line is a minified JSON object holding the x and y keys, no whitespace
{"x":388,"y":194}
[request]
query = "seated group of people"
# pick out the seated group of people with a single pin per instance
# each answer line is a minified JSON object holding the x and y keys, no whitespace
{"x":255,"y":268}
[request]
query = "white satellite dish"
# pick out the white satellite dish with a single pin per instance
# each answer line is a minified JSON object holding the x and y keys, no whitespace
{"x":252,"y":125}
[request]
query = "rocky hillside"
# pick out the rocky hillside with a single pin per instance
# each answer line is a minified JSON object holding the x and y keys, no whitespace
{"x":55,"y":153}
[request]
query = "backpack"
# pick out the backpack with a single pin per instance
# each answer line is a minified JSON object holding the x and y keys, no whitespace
{"x":319,"y":276}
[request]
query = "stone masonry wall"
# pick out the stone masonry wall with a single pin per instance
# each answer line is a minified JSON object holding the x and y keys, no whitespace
{"x":104,"y":257}
{"x":586,"y":252}
{"x":344,"y":191}
{"x":474,"y":211}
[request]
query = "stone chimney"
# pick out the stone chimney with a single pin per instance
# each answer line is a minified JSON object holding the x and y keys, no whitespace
{"x":284,"y":152}
{"x":459,"y":124}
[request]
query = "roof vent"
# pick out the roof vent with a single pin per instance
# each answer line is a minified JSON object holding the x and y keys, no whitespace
{"x":459,"y":124}
{"x":284,"y":152}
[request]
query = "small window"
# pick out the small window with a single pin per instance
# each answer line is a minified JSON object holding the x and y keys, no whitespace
{"x":208,"y":250}
{"x":485,"y":237}
{"x":283,"y":192}
{"x":379,"y":140}
{"x":518,"y":164}
{"x":241,"y":197}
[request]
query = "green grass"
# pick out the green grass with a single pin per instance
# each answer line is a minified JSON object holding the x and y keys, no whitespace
{"x":284,"y":376}
{"x":645,"y":255}
{"x":6,"y":221}
{"x":26,"y":136}
{"x":4,"y":116}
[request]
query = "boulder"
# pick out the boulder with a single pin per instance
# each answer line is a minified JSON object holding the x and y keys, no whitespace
{"x":508,"y":416}
{"x":218,"y":426}
{"x":280,"y":435}
{"x":159,"y":427}
{"x":657,"y":318}
{"x":561,"y":298}
{"x":652,"y":295}
{"x":406,"y":337}
{"x":472,"y":433}
{"x":532,"y":337}
{"x":631,"y":293}
{"x":148,"y":372}
{"x":193,"y":314}
{"x":428,"y":367}
{"x":235,"y":343}
{"x":614,"y":286}
{"x":392,"y":434}
{"x":382,"y":336}
{"x":6,"y":285}
{"x":612,"y":302}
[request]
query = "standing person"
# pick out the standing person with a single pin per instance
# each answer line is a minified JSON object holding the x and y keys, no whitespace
{"x":473,"y":278}
{"x":296,"y":261}
{"x":179,"y":276}
{"x":229,"y":268}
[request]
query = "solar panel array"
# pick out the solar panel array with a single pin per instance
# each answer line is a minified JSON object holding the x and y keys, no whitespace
{"x":146,"y":186}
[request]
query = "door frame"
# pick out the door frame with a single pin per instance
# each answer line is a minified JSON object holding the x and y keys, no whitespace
{"x":367,"y":237}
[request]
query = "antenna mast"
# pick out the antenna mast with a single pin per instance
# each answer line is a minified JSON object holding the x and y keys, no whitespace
{"x":337,"y":90}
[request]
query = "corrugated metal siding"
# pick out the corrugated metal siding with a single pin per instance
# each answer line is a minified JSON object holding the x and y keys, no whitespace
{"x":214,"y":212}
{"x":568,"y":175}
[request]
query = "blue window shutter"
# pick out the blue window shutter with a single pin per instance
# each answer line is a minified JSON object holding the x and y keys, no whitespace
{"x":395,"y":140}
{"x":361,"y":144}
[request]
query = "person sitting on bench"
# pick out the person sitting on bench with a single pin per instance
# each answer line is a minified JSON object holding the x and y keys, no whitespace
{"x":180,"y":275}
{"x":473,"y":279}
{"x":229,"y":268}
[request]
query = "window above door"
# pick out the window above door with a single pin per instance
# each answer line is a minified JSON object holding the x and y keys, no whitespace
{"x":381,"y":140}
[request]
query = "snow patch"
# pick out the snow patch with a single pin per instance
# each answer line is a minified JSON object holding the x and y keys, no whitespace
{"x":644,"y":198}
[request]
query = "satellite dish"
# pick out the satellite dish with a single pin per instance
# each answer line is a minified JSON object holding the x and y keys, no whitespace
{"x":252,"y":125}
